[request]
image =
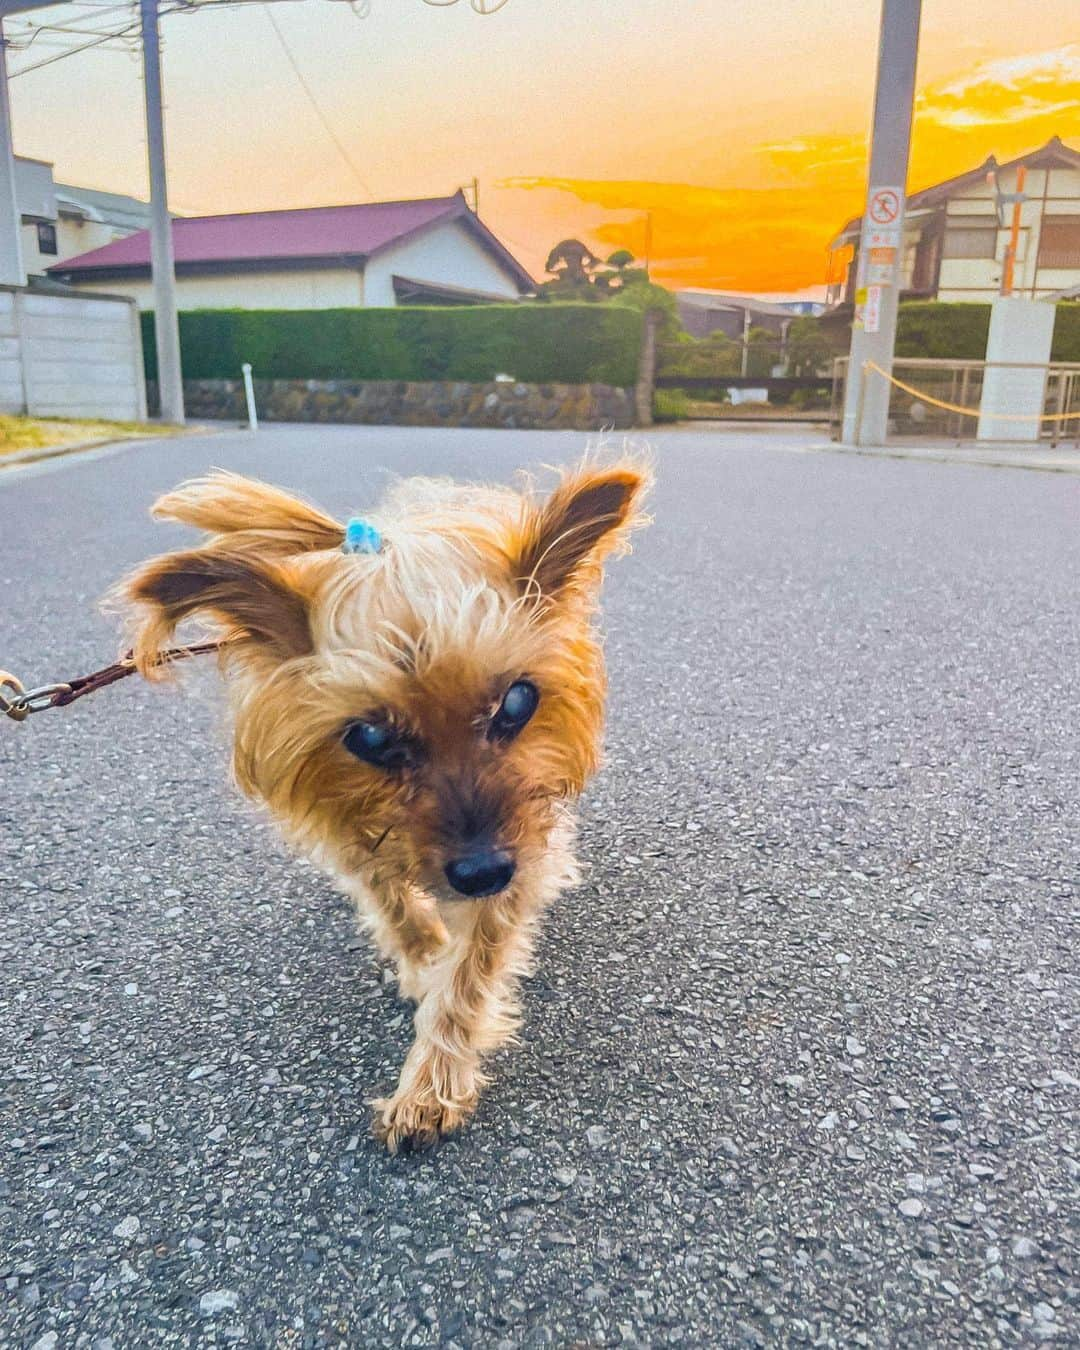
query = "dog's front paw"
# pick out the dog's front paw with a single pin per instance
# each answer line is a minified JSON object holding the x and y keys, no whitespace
{"x":416,"y":1120}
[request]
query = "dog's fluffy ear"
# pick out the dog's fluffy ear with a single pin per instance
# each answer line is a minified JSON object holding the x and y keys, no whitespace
{"x":251,"y":600}
{"x":565,"y":540}
{"x":267,"y":520}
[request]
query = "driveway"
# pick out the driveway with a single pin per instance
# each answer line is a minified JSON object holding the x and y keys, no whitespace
{"x":800,"y":1058}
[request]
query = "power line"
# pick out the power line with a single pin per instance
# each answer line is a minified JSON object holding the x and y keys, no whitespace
{"x":72,"y":51}
{"x":342,"y":151}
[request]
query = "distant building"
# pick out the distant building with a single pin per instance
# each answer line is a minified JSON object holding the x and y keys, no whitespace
{"x":803,"y":307}
{"x":60,"y":221}
{"x":429,"y":251}
{"x":954,"y":241}
{"x":705,"y":312}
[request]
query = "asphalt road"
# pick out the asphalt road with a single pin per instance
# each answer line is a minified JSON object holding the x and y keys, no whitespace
{"x":800,"y":1063}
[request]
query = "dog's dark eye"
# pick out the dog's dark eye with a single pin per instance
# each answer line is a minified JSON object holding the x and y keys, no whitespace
{"x":379,"y":744}
{"x":518,"y":705}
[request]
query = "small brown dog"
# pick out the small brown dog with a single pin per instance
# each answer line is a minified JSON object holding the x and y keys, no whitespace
{"x":417,"y":699}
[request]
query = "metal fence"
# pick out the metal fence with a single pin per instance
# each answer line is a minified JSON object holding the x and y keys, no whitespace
{"x":945,"y":405}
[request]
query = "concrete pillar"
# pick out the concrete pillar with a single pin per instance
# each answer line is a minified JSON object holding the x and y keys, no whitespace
{"x":646,"y":374}
{"x":881,"y":243}
{"x":163,"y":272}
{"x":1021,"y":333}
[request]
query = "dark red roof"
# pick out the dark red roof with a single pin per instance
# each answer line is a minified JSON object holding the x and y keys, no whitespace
{"x":277,"y":236}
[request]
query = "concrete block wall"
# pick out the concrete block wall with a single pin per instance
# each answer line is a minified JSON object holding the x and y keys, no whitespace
{"x":70,"y":356}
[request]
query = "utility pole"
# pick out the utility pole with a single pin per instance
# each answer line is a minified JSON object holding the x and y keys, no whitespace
{"x":873,"y":332}
{"x":476,"y":196}
{"x":162,"y":271}
{"x":1008,"y":272}
{"x":12,"y":271}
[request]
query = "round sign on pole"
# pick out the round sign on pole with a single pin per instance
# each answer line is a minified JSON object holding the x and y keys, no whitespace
{"x":885,"y":204}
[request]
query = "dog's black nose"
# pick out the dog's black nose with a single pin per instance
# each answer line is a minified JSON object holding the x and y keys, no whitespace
{"x":485,"y":872}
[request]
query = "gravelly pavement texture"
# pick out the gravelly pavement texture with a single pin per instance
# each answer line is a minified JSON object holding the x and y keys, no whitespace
{"x":800,"y":1063}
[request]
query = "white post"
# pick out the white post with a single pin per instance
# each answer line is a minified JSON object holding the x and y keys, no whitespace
{"x":249,"y":395}
{"x":881,"y":243}
{"x":166,"y":323}
{"x":1016,"y":370}
{"x":12,"y":270}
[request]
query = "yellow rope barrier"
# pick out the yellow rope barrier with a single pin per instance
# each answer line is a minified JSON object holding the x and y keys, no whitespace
{"x":968,"y":412}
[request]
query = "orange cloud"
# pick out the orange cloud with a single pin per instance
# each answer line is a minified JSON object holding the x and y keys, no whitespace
{"x":724,"y":237}
{"x":1032,"y":89}
{"x":773,"y":238}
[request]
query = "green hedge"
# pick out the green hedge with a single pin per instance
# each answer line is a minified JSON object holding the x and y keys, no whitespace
{"x":943,"y":331}
{"x":959,"y":331}
{"x":575,"y":344}
{"x":1066,"y":344}
{"x":929,"y":328}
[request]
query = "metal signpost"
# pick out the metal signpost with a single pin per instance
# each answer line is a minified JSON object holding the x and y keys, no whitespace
{"x":877,"y":282}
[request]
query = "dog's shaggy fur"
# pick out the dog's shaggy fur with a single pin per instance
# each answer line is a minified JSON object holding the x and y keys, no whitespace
{"x":474,"y":590}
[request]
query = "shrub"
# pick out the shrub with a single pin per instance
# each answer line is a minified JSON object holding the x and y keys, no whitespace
{"x":573,"y":344}
{"x":670,"y":405}
{"x":812,"y":345}
{"x":931,"y":328}
{"x":716,"y":354}
{"x":1066,"y":344}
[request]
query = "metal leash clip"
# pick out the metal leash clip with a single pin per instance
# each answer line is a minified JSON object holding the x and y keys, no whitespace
{"x":18,"y":702}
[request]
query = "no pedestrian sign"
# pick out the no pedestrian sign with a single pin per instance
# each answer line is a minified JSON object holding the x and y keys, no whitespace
{"x":885,"y":204}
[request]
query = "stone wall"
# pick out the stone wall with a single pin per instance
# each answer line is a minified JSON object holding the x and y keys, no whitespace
{"x":583,"y":407}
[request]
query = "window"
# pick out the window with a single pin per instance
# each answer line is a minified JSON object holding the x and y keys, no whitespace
{"x":1059,"y":241}
{"x":975,"y":238}
{"x":46,"y":237}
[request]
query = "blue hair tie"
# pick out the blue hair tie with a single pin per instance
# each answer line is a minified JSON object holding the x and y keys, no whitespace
{"x":361,"y":537}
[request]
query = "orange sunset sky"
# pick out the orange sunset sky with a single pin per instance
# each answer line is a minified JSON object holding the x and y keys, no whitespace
{"x":739,"y":124}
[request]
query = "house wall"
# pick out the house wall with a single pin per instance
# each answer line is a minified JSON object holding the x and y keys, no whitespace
{"x":322,"y":288}
{"x":448,"y":254}
{"x":70,"y":356}
{"x":1054,"y":192}
{"x":72,"y":238}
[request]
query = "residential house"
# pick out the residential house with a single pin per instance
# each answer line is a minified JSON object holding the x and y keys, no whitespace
{"x":704,"y":312}
{"x":429,"y":251}
{"x":60,"y":221}
{"x":956,"y":233}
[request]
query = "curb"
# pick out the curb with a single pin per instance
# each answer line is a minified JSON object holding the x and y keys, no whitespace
{"x":980,"y":458}
{"x":35,"y":454}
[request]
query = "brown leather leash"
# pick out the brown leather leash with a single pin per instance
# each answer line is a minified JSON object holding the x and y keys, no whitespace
{"x":18,"y":702}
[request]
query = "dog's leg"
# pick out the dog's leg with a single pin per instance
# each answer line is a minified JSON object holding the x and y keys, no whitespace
{"x":406,"y":927}
{"x":469,"y":1008}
